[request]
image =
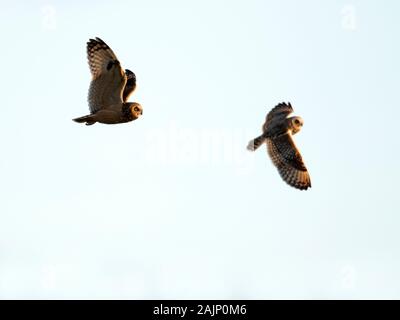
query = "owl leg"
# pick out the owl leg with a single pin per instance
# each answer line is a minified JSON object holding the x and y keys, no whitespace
{"x":255,"y":143}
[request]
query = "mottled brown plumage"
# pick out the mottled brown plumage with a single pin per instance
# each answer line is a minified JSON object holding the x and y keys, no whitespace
{"x":110,"y":87}
{"x":277,"y":134}
{"x":130,"y":84}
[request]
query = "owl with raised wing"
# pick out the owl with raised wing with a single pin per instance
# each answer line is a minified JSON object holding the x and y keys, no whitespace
{"x":278,"y":131}
{"x":110,"y":87}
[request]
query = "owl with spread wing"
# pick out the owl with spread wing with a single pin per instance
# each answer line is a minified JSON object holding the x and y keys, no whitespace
{"x":110,"y":87}
{"x":278,"y":130}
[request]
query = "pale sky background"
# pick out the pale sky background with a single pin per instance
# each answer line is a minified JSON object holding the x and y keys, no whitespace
{"x":173,"y":205}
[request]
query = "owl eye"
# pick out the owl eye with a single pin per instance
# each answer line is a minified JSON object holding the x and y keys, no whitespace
{"x":297,"y":121}
{"x":136,"y":109}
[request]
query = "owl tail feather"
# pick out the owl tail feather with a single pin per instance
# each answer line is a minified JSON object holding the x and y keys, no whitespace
{"x":89,"y":119}
{"x":255,"y":143}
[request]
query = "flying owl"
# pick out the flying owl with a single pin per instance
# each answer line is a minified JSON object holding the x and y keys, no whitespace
{"x":278,"y":130}
{"x":110,"y":87}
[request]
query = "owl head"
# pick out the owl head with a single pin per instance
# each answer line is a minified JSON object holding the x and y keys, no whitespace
{"x":136,"y":110}
{"x":295,"y":124}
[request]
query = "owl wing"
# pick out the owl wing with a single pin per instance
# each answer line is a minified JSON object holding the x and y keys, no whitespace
{"x":130,"y":84}
{"x":108,"y":78}
{"x":286,"y":157}
{"x":280,"y":111}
